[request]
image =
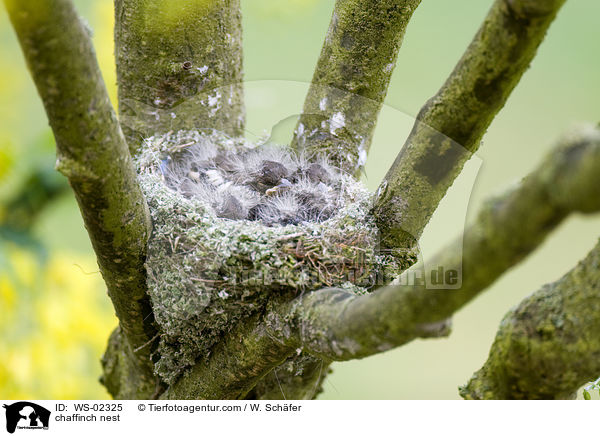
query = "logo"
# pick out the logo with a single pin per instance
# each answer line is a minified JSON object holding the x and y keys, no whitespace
{"x":26,"y":415}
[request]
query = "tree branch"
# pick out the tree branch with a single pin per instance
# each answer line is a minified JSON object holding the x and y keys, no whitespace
{"x":335,"y":324}
{"x":235,"y":365}
{"x":351,"y":79}
{"x":450,"y":126}
{"x":338,"y":325}
{"x":549,"y":345}
{"x":243,"y":365}
{"x":300,"y":378}
{"x":92,"y":153}
{"x":179,"y":66}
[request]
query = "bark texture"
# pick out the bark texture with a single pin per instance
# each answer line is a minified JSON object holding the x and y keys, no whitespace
{"x":549,"y":345}
{"x":450,"y":126}
{"x":93,"y":155}
{"x":179,"y":66}
{"x":351,"y":79}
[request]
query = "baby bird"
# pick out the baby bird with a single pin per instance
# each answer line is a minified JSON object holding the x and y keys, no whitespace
{"x":268,"y":184}
{"x":271,"y":173}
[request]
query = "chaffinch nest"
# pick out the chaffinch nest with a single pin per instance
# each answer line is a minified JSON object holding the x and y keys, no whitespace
{"x":236,"y":223}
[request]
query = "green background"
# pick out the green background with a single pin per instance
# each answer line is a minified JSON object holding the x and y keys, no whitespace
{"x":282,"y":41}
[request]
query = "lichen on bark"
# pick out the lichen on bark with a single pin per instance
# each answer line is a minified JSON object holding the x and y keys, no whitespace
{"x":93,"y":155}
{"x":548,"y":346}
{"x":351,"y":79}
{"x":460,"y":112}
{"x":179,"y":66}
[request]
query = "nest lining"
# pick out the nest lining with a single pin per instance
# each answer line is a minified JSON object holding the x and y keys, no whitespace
{"x":235,"y":223}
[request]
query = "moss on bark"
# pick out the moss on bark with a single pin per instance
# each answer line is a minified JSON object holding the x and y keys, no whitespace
{"x":458,"y":116}
{"x":179,"y":66}
{"x":548,"y":346}
{"x":351,"y":79}
{"x":93,"y":155}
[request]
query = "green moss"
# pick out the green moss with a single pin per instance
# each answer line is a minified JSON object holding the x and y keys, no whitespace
{"x":351,"y":79}
{"x":179,"y":66}
{"x":206,"y":273}
{"x":548,"y":346}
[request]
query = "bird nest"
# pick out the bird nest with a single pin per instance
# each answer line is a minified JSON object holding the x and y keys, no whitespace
{"x":237,"y":223}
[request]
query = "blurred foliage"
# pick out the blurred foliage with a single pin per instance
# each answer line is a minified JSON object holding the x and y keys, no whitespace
{"x":20,"y":211}
{"x":7,"y":154}
{"x":275,"y":9}
{"x":55,"y":317}
{"x":55,"y":321}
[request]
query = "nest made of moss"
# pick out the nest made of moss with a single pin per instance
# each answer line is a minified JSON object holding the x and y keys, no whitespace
{"x":235,"y":223}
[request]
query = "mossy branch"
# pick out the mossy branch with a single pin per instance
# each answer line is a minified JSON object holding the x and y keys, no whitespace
{"x":549,"y":345}
{"x":243,"y":365}
{"x":300,"y":378}
{"x":450,"y":126}
{"x":351,"y":79}
{"x":335,"y":324}
{"x":235,"y":365}
{"x":93,"y":155}
{"x":179,"y":66}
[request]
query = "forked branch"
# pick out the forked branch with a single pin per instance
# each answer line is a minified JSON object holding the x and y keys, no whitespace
{"x":450,"y":126}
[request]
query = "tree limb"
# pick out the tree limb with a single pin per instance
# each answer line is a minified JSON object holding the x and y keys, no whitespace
{"x":335,"y":324}
{"x":549,"y":346}
{"x":450,"y":126}
{"x":300,"y":378}
{"x":338,"y":325}
{"x":248,"y":356}
{"x":93,"y":155}
{"x":235,"y":365}
{"x":351,"y":79}
{"x":179,"y":66}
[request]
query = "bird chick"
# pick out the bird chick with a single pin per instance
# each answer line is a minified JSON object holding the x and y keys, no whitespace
{"x":284,"y":185}
{"x":266,"y":183}
{"x":318,"y":173}
{"x":232,"y":208}
{"x":271,"y":173}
